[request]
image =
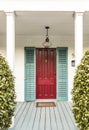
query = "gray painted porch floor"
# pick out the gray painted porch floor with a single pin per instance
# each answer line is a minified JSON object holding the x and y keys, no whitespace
{"x":30,"y":117}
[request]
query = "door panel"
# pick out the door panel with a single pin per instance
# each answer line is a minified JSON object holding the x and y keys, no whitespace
{"x":45,"y":73}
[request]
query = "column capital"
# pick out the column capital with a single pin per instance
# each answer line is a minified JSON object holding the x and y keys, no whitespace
{"x":10,"y":13}
{"x":78,"y":14}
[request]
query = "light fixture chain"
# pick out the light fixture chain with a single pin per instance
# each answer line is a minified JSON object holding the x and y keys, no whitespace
{"x":47,"y":32}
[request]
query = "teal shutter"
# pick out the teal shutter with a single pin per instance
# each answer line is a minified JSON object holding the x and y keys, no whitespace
{"x":29,"y":74}
{"x":62,"y":74}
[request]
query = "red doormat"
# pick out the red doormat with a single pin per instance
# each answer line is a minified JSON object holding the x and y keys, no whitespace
{"x":45,"y":104}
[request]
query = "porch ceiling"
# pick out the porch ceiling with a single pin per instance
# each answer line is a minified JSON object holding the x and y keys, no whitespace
{"x":33,"y":23}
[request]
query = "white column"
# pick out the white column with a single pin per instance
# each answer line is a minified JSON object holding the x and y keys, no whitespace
{"x":10,"y":38}
{"x":78,"y":37}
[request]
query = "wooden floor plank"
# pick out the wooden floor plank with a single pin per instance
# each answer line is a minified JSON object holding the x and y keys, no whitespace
{"x":53,"y":119}
{"x":58,"y":118}
{"x":67,"y":117}
{"x":28,"y":116}
{"x":17,"y":118}
{"x":32,"y":118}
{"x":21,"y":106}
{"x":22,"y":117}
{"x":42,"y":119}
{"x":37,"y":119}
{"x":18,"y":107}
{"x":48,"y":125}
{"x":64,"y":121}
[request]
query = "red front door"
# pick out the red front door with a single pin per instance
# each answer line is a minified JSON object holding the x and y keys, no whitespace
{"x":46,"y":73}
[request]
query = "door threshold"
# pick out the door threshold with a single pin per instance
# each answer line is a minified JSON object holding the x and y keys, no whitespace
{"x":46,"y":100}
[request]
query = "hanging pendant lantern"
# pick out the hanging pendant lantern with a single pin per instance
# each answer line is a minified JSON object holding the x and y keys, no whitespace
{"x":47,"y":42}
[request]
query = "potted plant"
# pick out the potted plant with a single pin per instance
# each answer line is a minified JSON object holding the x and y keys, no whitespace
{"x":80,"y":94}
{"x":7,"y":95}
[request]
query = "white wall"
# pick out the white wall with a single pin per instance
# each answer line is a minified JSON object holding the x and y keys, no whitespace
{"x":22,"y":42}
{"x":19,"y":72}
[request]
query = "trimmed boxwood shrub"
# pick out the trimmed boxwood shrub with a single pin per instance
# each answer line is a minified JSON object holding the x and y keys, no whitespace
{"x":7,"y":95}
{"x":80,"y":94}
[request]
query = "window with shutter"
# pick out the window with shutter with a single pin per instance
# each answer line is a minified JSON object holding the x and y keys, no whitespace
{"x":29,"y":74}
{"x":62,"y":74}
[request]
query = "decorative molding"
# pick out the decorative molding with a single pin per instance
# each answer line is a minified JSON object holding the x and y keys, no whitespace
{"x":10,"y":13}
{"x":78,"y":13}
